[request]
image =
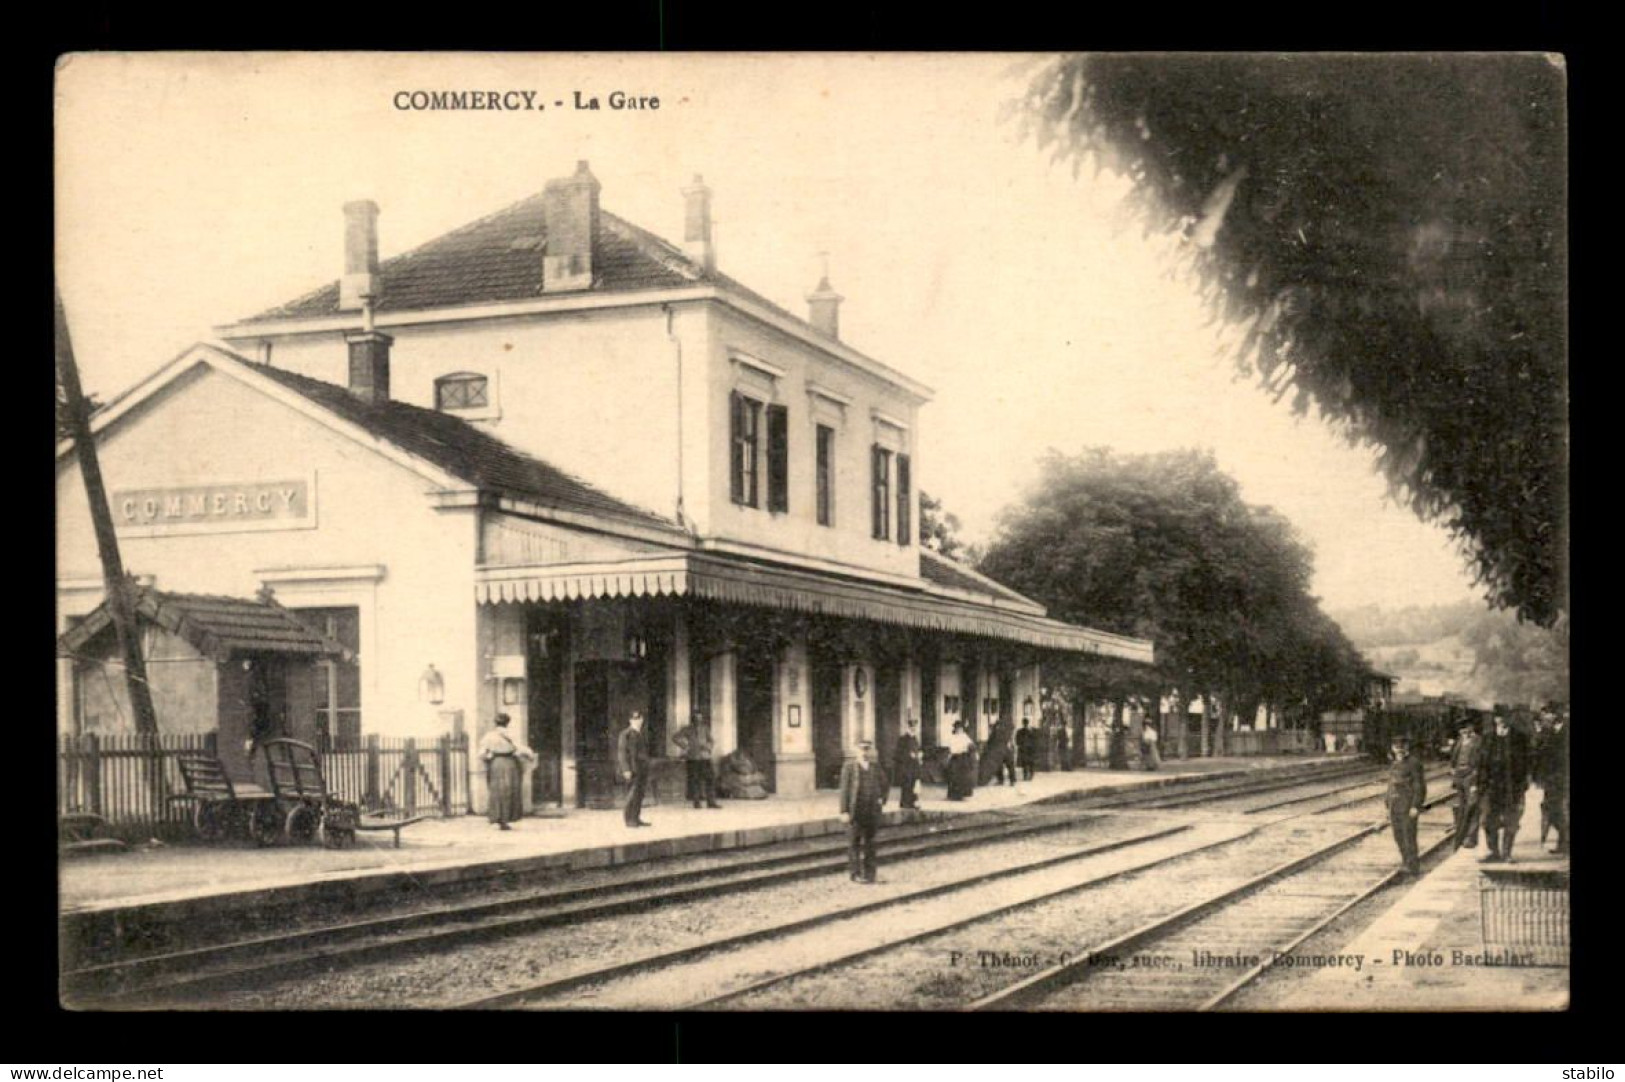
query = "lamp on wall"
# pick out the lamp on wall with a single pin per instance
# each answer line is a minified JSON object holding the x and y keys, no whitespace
{"x":432,"y":686}
{"x":637,"y":647}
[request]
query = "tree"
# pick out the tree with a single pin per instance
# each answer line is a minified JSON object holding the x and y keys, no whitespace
{"x":1163,"y":547}
{"x":939,"y":530}
{"x":73,"y":418}
{"x":1388,"y":234}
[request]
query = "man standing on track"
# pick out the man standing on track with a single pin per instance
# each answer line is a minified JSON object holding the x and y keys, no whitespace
{"x":1464,"y":759}
{"x":1407,"y":789}
{"x":863,"y":794}
{"x":632,"y":759}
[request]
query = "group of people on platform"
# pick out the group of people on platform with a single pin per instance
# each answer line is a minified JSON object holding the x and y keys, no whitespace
{"x":1490,"y":774}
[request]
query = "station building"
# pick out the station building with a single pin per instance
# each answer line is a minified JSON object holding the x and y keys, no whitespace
{"x":552,"y":465}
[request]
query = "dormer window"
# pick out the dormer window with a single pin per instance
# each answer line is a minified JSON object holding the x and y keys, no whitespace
{"x":462,"y":391}
{"x":473,"y":396}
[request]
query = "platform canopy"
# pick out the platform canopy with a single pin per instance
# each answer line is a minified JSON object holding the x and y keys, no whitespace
{"x":714,"y":577}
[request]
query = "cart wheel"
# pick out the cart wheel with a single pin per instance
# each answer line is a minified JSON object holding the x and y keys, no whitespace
{"x":303,"y":824}
{"x":210,"y":820}
{"x":264,"y":825}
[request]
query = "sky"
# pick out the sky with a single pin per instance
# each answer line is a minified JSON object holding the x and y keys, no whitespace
{"x":197,"y":189}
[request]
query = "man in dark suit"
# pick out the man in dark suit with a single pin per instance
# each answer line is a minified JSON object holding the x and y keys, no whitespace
{"x":1464,"y":758}
{"x":1407,"y":790}
{"x":632,"y":759}
{"x":906,"y":760}
{"x":1553,"y":768}
{"x":863,"y":794}
{"x":1026,"y":749}
{"x":1503,"y":773}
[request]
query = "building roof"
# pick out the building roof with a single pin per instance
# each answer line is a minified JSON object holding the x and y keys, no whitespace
{"x":499,"y":258}
{"x":941,"y":571}
{"x":218,"y":627}
{"x":466,"y":451}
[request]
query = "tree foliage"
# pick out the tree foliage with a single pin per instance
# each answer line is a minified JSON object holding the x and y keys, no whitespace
{"x":1388,"y":233}
{"x":1163,"y":547}
{"x":939,"y":531}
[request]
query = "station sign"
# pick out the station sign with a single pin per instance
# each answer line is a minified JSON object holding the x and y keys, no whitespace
{"x":230,"y":507}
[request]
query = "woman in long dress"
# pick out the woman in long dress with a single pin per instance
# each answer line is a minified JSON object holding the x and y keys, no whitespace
{"x":1148,"y":747}
{"x":504,"y":773}
{"x":961,"y":769}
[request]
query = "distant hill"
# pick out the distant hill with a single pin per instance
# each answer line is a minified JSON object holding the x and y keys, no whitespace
{"x":1463,"y":649}
{"x":1373,"y":626}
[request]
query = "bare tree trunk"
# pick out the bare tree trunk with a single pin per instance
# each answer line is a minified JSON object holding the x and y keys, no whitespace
{"x":118,"y":585}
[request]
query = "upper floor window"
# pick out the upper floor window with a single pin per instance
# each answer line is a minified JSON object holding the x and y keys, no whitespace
{"x":462,"y":391}
{"x":903,"y":499}
{"x":880,"y":471}
{"x":745,"y":420}
{"x":826,"y":475}
{"x":778,"y":458}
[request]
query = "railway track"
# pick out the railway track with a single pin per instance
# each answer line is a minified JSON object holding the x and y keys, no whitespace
{"x":203,"y":969}
{"x":763,"y":970}
{"x":177,"y":978}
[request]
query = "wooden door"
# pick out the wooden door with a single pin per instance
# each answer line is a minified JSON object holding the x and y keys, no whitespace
{"x":755,"y":711}
{"x":828,"y":753}
{"x":544,"y":672}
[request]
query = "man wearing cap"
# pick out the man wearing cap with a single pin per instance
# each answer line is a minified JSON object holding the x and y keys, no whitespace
{"x":632,"y":759}
{"x":1464,"y":758}
{"x":1407,"y":789}
{"x":863,"y":794}
{"x":1503,"y":777}
{"x":694,"y":740}
{"x":906,"y":760}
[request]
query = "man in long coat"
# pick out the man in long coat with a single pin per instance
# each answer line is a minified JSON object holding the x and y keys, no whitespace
{"x":1554,"y":781}
{"x":863,"y":794}
{"x":998,"y":754}
{"x":906,"y":760}
{"x":1407,"y":790}
{"x":1026,"y":749}
{"x":1464,"y":761}
{"x":632,"y":760}
{"x":1503,"y":778}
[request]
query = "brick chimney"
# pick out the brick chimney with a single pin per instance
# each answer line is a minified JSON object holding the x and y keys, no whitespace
{"x":360,"y":282}
{"x":369,"y":365}
{"x":824,"y":307}
{"x":697,"y":224}
{"x":570,"y":207}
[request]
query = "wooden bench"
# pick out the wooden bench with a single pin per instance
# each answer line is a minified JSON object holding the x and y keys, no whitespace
{"x":385,"y":822}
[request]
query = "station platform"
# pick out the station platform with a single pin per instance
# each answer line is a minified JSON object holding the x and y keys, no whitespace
{"x":465,"y":849}
{"x":1427,"y":952}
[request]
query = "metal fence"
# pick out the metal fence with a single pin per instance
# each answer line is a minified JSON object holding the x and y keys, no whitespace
{"x":128,"y":778}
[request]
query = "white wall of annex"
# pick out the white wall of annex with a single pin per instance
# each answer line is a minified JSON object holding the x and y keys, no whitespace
{"x":593,"y":393}
{"x":371,"y":513}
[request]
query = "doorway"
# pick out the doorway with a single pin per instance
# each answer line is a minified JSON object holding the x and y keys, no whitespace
{"x":755,"y":711}
{"x":606,"y":694}
{"x":828,"y":753}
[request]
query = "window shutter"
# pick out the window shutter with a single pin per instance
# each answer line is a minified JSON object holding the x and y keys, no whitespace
{"x":778,"y":458}
{"x":902,"y":500}
{"x":736,"y":461}
{"x":880,"y":467}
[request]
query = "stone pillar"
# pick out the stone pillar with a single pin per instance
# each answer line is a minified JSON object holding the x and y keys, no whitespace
{"x":857,"y":704}
{"x":679,"y":705}
{"x":569,"y":785}
{"x":724,"y":698}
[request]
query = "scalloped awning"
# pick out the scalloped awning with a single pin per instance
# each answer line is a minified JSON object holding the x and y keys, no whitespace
{"x":715,"y":578}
